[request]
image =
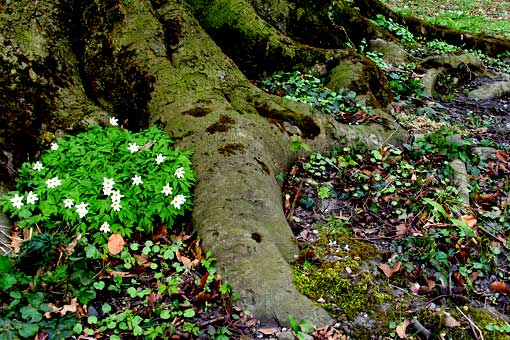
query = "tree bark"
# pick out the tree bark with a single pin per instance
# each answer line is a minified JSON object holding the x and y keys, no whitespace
{"x":163,"y":62}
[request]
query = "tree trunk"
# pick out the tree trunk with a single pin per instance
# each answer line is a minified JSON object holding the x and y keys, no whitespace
{"x":184,"y":65}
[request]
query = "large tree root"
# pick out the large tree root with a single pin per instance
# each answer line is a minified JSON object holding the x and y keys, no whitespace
{"x":237,"y":146}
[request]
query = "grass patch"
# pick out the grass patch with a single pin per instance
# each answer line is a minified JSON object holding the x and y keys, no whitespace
{"x":490,"y":17}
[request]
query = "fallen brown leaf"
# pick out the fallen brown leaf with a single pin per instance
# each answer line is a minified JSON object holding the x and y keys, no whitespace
{"x":143,"y":260}
{"x":70,"y":247}
{"x":16,"y":242}
{"x":470,"y":220}
{"x":502,"y":157}
{"x":401,"y":329}
{"x":401,"y":230}
{"x":389,"y":271}
{"x":451,"y":322}
{"x":184,"y":260}
{"x":500,"y":287}
{"x":69,"y":308}
{"x":115,"y":244}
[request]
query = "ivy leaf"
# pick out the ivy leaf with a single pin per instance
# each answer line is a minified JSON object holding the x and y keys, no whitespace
{"x":92,"y":252}
{"x":99,"y":285}
{"x":164,"y":314}
{"x":28,"y":330}
{"x":31,"y":314}
{"x":7,"y":281}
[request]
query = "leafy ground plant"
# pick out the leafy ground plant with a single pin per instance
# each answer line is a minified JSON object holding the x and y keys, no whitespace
{"x":400,"y":31}
{"x":103,"y":181}
{"x":106,"y":249}
{"x":306,"y":88}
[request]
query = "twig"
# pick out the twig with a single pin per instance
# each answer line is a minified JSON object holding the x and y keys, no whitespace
{"x":293,"y":205}
{"x":208,"y":322}
{"x":474,"y":327}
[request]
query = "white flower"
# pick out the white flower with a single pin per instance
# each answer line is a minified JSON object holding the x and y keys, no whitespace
{"x":107,"y":191}
{"x":137,"y":180}
{"x":179,"y":173}
{"x":160,"y":159}
{"x":116,"y":196}
{"x":17,"y":201}
{"x":116,"y":206}
{"x":167,"y":190}
{"x":114,"y":121}
{"x":31,"y":198}
{"x":53,"y":182}
{"x":108,"y":182}
{"x":81,"y":209}
{"x":178,"y":201}
{"x":68,"y":203}
{"x":105,"y":227}
{"x":133,"y":147}
{"x":54,"y":146}
{"x":38,"y":166}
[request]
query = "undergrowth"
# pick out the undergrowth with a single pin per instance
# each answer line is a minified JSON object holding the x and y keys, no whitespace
{"x":101,"y":246}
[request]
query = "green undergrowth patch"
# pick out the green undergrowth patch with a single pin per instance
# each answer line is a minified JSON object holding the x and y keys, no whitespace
{"x":406,"y":37}
{"x":406,"y":202}
{"x":405,"y":79}
{"x":101,"y":246}
{"x":306,"y":88}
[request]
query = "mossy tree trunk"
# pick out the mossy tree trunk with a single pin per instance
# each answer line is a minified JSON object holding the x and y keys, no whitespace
{"x":186,"y":65}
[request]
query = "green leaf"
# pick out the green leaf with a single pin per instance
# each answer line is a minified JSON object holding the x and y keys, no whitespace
{"x":99,"y":285}
{"x":293,"y":324}
{"x":438,"y":207}
{"x":189,"y":313}
{"x":165,"y":314}
{"x":7,"y":281}
{"x":132,"y":292}
{"x":78,"y":328}
{"x":30,"y":313}
{"x":5,"y":264}
{"x":92,"y":319}
{"x":306,"y":326}
{"x":86,"y":295}
{"x":35,"y":299}
{"x":92,"y":252}
{"x":106,"y":308}
{"x":28,"y":330}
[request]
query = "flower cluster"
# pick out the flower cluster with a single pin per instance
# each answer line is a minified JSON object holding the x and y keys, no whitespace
{"x":53,"y":182}
{"x":137,"y":185}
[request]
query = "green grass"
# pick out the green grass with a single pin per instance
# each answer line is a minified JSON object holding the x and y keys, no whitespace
{"x":490,"y":17}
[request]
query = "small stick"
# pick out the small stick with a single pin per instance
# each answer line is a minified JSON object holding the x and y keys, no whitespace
{"x":474,"y":327}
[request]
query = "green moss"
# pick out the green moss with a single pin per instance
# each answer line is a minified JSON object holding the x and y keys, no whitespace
{"x":346,"y":285}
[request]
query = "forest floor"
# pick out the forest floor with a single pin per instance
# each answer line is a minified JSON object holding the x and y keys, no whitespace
{"x":395,"y":243}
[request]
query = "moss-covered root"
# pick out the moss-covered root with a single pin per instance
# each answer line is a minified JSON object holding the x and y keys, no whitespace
{"x":234,"y":131}
{"x":248,"y":39}
{"x":326,"y":24}
{"x":491,"y":46}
